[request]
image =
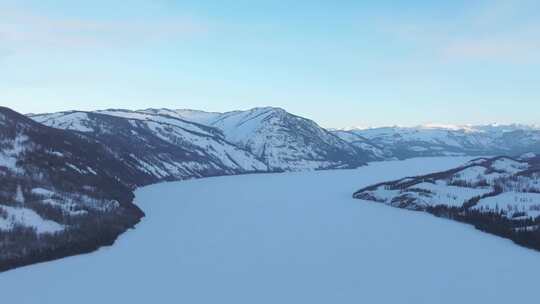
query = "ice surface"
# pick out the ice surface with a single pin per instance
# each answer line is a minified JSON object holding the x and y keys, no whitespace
{"x":287,"y":238}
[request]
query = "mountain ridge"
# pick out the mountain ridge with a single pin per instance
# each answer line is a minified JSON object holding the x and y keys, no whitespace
{"x":401,"y":143}
{"x":283,"y":141}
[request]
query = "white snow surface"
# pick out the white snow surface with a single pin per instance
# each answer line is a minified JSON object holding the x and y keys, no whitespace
{"x":77,"y":121}
{"x":28,"y":218}
{"x":472,"y":174}
{"x":12,"y":150}
{"x":512,"y":202}
{"x":475,"y":174}
{"x":508,"y":165}
{"x":438,"y":193}
{"x":197,"y":116}
{"x":287,"y":238}
{"x":444,"y":194}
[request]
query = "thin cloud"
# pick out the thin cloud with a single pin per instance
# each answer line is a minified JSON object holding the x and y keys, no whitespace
{"x":506,"y":49}
{"x":502,"y":31}
{"x":23,"y":31}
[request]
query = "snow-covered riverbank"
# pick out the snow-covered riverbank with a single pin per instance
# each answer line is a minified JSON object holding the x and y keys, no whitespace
{"x":286,"y":238}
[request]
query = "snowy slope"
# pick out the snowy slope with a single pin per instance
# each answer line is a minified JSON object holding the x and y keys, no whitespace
{"x":202,"y":117}
{"x":165,"y":147}
{"x":310,"y":242}
{"x":61,"y":193}
{"x":377,"y":152}
{"x":281,"y":140}
{"x":20,"y":216}
{"x":454,"y":188}
{"x":284,"y":141}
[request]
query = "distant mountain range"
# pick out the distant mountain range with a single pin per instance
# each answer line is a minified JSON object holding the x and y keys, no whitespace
{"x":402,"y":142}
{"x":283,"y":141}
{"x":67,"y":177}
{"x":259,"y":139}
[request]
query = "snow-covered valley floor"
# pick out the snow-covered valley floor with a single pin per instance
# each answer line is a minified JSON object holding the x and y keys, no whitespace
{"x":287,"y":238}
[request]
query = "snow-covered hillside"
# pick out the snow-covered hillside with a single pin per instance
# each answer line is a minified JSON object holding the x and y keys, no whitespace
{"x":499,"y":195}
{"x":202,"y":117}
{"x":163,"y":146}
{"x":309,"y":242}
{"x":61,"y":193}
{"x":282,"y":140}
{"x":438,"y":140}
{"x":286,"y":141}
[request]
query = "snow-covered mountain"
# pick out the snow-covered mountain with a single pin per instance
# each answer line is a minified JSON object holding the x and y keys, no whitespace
{"x":440,"y":140}
{"x":285,"y":142}
{"x":164,"y":147}
{"x":61,"y":193}
{"x":282,"y":140}
{"x":499,"y":195}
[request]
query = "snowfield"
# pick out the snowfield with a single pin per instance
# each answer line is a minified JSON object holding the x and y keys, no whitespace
{"x":513,"y":202}
{"x":287,"y":238}
{"x":28,"y":218}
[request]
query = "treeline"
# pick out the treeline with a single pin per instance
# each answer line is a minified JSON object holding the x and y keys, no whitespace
{"x":24,"y":246}
{"x":524,"y":232}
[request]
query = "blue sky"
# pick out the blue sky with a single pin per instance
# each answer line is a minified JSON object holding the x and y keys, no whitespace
{"x":341,"y":63}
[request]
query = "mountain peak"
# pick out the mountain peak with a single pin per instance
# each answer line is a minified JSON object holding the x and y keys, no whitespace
{"x":268,"y":108}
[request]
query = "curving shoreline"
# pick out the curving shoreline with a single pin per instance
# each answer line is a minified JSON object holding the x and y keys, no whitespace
{"x":245,"y":242}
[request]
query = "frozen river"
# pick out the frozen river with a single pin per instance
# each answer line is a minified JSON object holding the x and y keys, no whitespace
{"x":286,"y":238}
